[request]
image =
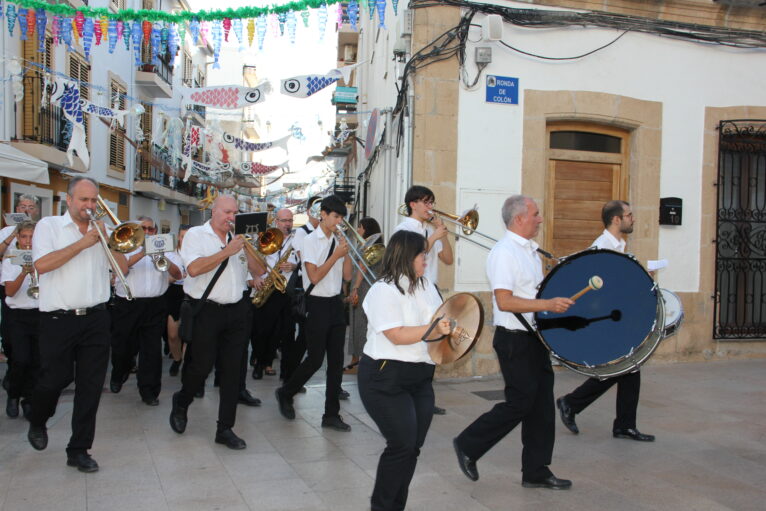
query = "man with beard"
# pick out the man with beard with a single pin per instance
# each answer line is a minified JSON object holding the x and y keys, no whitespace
{"x":618,"y":220}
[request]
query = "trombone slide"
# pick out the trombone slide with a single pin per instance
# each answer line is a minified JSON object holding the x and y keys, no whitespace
{"x":112,"y":261}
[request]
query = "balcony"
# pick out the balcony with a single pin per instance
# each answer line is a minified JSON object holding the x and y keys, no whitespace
{"x":151,"y":181}
{"x":155,"y":79}
{"x":196,"y":113}
{"x":344,"y":96}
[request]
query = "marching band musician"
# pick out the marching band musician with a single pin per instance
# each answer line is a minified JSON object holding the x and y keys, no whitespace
{"x":618,"y":221}
{"x":514,"y":270}
{"x":396,"y":371}
{"x":273,"y":324}
{"x":221,"y":327}
{"x":137,"y":324}
{"x":325,"y":266}
{"x":419,"y":201}
{"x":174,"y":296}
{"x":74,"y":322}
{"x":23,"y":326}
{"x":28,"y":204}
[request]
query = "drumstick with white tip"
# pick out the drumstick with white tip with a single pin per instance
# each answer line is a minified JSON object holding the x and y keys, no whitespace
{"x":595,"y":283}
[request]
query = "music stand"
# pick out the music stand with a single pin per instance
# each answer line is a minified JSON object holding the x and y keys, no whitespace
{"x":249,"y":223}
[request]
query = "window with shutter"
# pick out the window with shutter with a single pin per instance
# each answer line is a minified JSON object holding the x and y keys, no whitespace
{"x":145,"y":167}
{"x":117,"y":137}
{"x":188,"y":70}
{"x":36,"y":120}
{"x":79,"y":69}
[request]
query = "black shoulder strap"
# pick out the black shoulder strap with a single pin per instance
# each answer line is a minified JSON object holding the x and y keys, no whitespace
{"x":332,"y":249}
{"x":215,"y":277}
{"x":305,"y":227}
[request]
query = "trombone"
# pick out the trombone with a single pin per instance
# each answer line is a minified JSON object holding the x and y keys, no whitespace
{"x":364,"y":252}
{"x":269,"y":241}
{"x":126,"y":237}
{"x":468,"y":222}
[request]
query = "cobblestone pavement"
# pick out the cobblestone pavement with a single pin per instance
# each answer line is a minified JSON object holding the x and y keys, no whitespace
{"x":710,"y":453}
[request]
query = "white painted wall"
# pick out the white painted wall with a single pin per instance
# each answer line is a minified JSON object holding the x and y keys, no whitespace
{"x":685,"y":77}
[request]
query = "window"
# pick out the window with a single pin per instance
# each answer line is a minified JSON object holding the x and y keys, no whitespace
{"x":38,"y":123}
{"x":79,"y":69}
{"x":188,"y":69}
{"x":145,"y":166}
{"x":117,"y":5}
{"x":586,"y":141}
{"x":117,"y":137}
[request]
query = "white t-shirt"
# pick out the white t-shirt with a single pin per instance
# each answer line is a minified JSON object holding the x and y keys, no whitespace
{"x":316,"y":246}
{"x":20,"y":300}
{"x":201,"y":241}
{"x":81,"y":282}
{"x":143,"y":278}
{"x":386,"y":307}
{"x":432,"y":257}
{"x":513,"y":264}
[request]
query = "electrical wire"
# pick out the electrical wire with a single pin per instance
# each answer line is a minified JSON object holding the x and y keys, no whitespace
{"x":564,"y":58}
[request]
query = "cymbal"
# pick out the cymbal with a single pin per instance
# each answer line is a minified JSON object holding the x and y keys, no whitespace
{"x":467,"y":315}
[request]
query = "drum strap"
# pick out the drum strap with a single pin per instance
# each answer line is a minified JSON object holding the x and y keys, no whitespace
{"x":524,"y":322}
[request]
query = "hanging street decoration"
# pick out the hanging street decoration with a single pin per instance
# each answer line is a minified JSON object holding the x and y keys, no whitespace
{"x":66,"y":94}
{"x":246,"y":145}
{"x":228,"y":97}
{"x":306,"y":85}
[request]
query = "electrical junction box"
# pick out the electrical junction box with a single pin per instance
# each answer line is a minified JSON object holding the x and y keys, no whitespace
{"x":483,"y":55}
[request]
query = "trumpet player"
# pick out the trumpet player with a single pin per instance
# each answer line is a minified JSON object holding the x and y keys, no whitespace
{"x":273,"y":325}
{"x":23,"y":320}
{"x":74,"y":322}
{"x":217,"y":268}
{"x":325,"y":266}
{"x":137,"y":324}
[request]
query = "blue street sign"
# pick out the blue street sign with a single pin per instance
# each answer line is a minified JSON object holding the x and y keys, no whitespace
{"x":502,"y":89}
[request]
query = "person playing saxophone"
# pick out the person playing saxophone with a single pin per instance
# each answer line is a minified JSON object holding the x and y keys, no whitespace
{"x":273,"y":324}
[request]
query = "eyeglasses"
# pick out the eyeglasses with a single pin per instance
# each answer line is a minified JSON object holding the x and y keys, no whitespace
{"x":428,"y":202}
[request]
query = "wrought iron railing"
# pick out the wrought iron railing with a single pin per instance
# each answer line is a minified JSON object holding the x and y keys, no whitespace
{"x":150,"y":168}
{"x":740,"y":291}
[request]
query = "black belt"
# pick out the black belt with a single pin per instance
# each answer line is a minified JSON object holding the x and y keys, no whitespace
{"x":84,"y":311}
{"x":513,"y":331}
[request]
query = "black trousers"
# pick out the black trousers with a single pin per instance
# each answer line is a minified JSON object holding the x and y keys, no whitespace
{"x":325,"y":334}
{"x":293,"y":349}
{"x":137,"y":327}
{"x":220,"y":334}
{"x":628,"y":389}
{"x":399,"y":397}
{"x":6,"y":345}
{"x":72,"y":349}
{"x":528,"y":376}
{"x":272,"y":324}
{"x":23,"y":337}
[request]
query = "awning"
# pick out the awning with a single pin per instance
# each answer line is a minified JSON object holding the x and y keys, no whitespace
{"x":17,"y":164}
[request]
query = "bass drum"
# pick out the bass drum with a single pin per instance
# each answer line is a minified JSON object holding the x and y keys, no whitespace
{"x":611,"y":329}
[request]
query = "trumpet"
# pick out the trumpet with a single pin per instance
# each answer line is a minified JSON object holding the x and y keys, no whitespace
{"x":468,"y":223}
{"x":126,"y":237}
{"x":269,"y":241}
{"x":364,"y":253}
{"x":160,"y":262}
{"x":33,"y":291}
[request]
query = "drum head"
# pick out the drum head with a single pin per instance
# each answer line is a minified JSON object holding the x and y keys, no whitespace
{"x":468,"y":314}
{"x":610,"y":330}
{"x":674,"y":312}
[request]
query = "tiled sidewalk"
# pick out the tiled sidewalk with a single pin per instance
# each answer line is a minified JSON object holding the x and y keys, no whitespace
{"x":710,"y":453}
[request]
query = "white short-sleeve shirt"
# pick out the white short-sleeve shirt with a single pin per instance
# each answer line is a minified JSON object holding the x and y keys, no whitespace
{"x":202,"y":241}
{"x":4,"y":233}
{"x":606,"y":240}
{"x":513,"y":264}
{"x":20,"y":300}
{"x":432,"y":256}
{"x":144,"y":279}
{"x":272,"y":259}
{"x":316,"y":247}
{"x":386,"y":307}
{"x":300,"y":235}
{"x":81,"y":282}
{"x":175,"y":258}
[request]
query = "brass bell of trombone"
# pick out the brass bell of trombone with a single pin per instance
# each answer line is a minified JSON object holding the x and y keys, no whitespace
{"x":126,"y":236}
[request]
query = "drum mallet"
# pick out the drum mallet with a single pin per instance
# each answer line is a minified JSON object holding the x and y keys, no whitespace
{"x":595,"y":282}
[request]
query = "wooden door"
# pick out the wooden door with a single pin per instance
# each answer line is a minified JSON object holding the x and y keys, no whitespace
{"x":577,"y":192}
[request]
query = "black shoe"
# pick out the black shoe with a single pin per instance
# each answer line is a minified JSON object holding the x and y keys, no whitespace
{"x":632,"y":434}
{"x":26,"y":408}
{"x":439,"y":410}
{"x":174,"y":367}
{"x":151,"y":401}
{"x":83,"y":462}
{"x":343,"y":395}
{"x":115,"y":386}
{"x":247,"y":399}
{"x":467,"y":465}
{"x":336,"y":423}
{"x":229,"y":439}
{"x":302,"y":390}
{"x":551,"y":482}
{"x":38,"y":437}
{"x":12,"y":407}
{"x":285,"y":404}
{"x":178,"y":417}
{"x":257,"y":372}
{"x":567,"y":415}
{"x":200,"y":393}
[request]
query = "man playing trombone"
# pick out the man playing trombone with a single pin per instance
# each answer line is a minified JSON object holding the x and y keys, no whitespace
{"x":137,"y":324}
{"x":325,"y":266}
{"x":74,"y":323}
{"x":221,"y":324}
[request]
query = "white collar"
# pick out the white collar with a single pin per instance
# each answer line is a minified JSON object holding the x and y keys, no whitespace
{"x":520,"y":240}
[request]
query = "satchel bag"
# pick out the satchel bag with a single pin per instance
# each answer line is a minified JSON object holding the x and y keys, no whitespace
{"x":191,"y":307}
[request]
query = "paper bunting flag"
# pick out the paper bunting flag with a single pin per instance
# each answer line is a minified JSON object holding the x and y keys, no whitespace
{"x":154,"y":39}
{"x":79,"y":22}
{"x":42,"y":22}
{"x":292,"y":25}
{"x":381,"y":5}
{"x":353,"y":13}
{"x":228,"y":97}
{"x":126,"y":33}
{"x":395,"y":3}
{"x":216,"y":43}
{"x":305,"y":15}
{"x":164,"y":36}
{"x":204,"y":29}
{"x":96,"y":31}
{"x":55,"y":25}
{"x":322,"y":19}
{"x":250,"y":31}
{"x":226,"y":28}
{"x":22,"y":15}
{"x":104,"y":26}
{"x":111,"y":32}
{"x":111,"y":114}
{"x":137,"y":40}
{"x":261,"y":23}
{"x":172,"y":44}
{"x":181,"y":29}
{"x":258,"y":169}
{"x":66,"y":94}
{"x":10,"y":15}
{"x":87,"y":37}
{"x":65,"y":32}
{"x":307,"y":85}
{"x":339,"y":17}
{"x":31,"y":21}
{"x":282,"y":18}
{"x":237,"y":25}
{"x":194,"y":30}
